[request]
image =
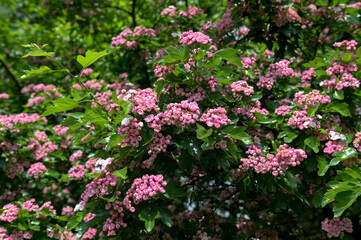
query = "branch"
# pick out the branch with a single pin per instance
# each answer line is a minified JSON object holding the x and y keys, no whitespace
{"x":117,"y":7}
{"x":13,"y":79}
{"x":133,"y":13}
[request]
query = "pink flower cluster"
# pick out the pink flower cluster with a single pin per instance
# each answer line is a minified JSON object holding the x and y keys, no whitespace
{"x":34,"y":89}
{"x":190,"y":37}
{"x":89,"y":234}
{"x":36,"y":169}
{"x":215,"y":117}
{"x":283,"y":110}
{"x":130,"y":129}
{"x":68,"y":211}
{"x":121,"y":39}
{"x":99,"y":186}
{"x":248,"y":62}
{"x":240,"y":89}
{"x":335,"y":226}
{"x":59,"y":130}
{"x":341,"y":76}
{"x":242,"y":31}
{"x":278,"y":69}
{"x":350,"y":45}
{"x":86,"y":72}
{"x":197,"y":94}
{"x":278,"y":163}
{"x":334,"y":146}
{"x":178,"y":114}
{"x":41,"y":151}
{"x":77,"y":172}
{"x":10,"y":213}
{"x":15,"y":235}
{"x":212,"y":82}
{"x":191,"y":11}
{"x":160,"y":71}
{"x":312,"y":98}
{"x":4,"y":96}
{"x":30,"y":206}
{"x":226,"y":23}
{"x":300,"y":120}
{"x":46,"y":205}
{"x":89,"y":217}
{"x":308,"y":74}
{"x":357,"y":140}
{"x":8,"y":122}
{"x":285,"y":15}
{"x":76,"y":156}
{"x":159,"y":144}
{"x":144,"y":100}
{"x":146,"y":187}
{"x":171,"y":11}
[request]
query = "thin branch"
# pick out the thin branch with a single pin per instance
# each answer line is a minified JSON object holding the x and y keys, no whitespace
{"x":117,"y":7}
{"x":13,"y":79}
{"x":133,"y":13}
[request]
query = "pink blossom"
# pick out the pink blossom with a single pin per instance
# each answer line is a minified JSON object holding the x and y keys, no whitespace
{"x":77,"y":172}
{"x":190,"y":37}
{"x":335,"y":226}
{"x":36,"y":169}
{"x":10,"y":213}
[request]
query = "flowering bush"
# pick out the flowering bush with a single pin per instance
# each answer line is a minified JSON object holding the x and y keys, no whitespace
{"x":191,"y":126}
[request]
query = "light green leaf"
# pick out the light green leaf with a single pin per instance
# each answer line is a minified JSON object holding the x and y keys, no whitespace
{"x":90,"y":58}
{"x":230,"y":55}
{"x":61,"y":105}
{"x":121,"y":173}
{"x":37,"y":72}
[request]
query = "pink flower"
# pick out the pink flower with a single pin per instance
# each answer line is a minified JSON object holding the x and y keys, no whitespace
{"x":10,"y":213}
{"x":190,"y":37}
{"x":36,"y":169}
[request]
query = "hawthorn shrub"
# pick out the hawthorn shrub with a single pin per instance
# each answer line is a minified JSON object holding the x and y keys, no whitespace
{"x":241,"y":126}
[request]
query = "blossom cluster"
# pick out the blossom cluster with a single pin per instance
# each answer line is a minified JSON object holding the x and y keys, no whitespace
{"x":335,"y":226}
{"x":122,"y":38}
{"x":277,"y":164}
{"x":190,"y":37}
{"x":215,"y":117}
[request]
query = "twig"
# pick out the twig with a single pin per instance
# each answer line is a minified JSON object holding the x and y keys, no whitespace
{"x":14,"y":80}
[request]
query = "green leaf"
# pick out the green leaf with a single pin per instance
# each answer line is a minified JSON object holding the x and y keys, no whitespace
{"x":202,"y":132}
{"x":328,"y":198}
{"x":322,"y":165}
{"x":37,"y":52}
{"x":90,"y":58}
{"x":74,"y":221}
{"x":338,"y":94}
{"x":230,"y":55}
{"x":173,"y":53}
{"x":164,"y":216}
{"x":358,"y":53}
{"x":36,"y":72}
{"x":341,"y":108}
{"x":346,"y":57}
{"x":114,"y":141}
{"x":121,"y":173}
{"x":148,"y":214}
{"x":239,"y":134}
{"x":313,"y":142}
{"x":159,"y":85}
{"x":345,"y":154}
{"x":344,"y":201}
{"x":61,"y":105}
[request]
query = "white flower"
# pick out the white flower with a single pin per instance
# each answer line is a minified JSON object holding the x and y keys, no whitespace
{"x":125,"y":121}
{"x":141,"y":124}
{"x":318,"y":116}
{"x":80,"y":206}
{"x":126,"y":97}
{"x":336,"y":135}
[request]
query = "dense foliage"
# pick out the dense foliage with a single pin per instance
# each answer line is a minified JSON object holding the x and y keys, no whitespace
{"x":180,"y":119}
